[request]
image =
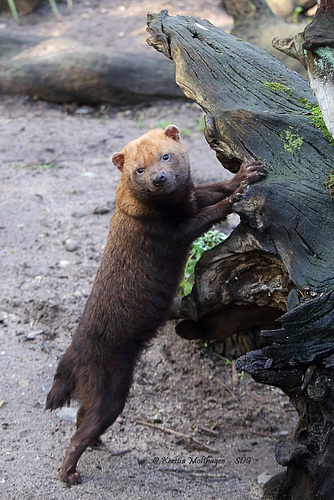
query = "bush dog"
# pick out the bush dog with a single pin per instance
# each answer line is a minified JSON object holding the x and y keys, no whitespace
{"x":158,"y":213}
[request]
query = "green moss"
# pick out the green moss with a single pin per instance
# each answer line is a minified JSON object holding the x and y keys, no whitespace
{"x":329,"y":184}
{"x":318,"y":121}
{"x":278,"y":87}
{"x":314,"y":111}
{"x":292,"y":142}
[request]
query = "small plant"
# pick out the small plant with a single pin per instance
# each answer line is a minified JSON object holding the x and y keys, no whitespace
{"x":43,"y":166}
{"x":163,"y":123}
{"x":13,"y":10}
{"x":16,"y":166}
{"x":209,"y":345}
{"x":158,"y":414}
{"x":54,"y":7}
{"x":295,"y":15}
{"x":200,"y":124}
{"x":46,"y":166}
{"x":205,"y":242}
{"x":52,"y":3}
{"x":185,"y":132}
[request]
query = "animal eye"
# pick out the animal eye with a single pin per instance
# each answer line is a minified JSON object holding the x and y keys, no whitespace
{"x":140,"y":170}
{"x":165,"y":157}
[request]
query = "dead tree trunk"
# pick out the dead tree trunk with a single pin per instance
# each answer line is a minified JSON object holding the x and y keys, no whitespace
{"x":280,"y":258}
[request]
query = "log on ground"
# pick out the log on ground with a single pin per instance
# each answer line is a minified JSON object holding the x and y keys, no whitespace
{"x":62,"y":70}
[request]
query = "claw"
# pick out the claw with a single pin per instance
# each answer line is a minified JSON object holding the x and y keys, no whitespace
{"x":236,"y":197}
{"x":244,"y":186}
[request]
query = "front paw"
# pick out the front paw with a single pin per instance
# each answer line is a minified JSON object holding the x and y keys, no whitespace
{"x":237,"y":195}
{"x":252,"y":171}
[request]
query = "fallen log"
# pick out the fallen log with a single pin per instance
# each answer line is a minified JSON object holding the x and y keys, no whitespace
{"x":62,"y":70}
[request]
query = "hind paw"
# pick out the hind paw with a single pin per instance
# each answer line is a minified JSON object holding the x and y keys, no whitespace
{"x":71,"y":478}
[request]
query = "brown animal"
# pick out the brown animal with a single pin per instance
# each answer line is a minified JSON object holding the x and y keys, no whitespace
{"x":158,"y":214}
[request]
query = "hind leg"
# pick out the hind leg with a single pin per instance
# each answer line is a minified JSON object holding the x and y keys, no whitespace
{"x":94,"y":420}
{"x":81,"y":418}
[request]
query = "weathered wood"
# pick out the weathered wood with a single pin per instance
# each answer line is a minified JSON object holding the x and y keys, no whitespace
{"x":281,"y":253}
{"x":308,"y":450}
{"x":62,"y":70}
{"x":314,"y":48}
{"x":240,"y":285}
{"x":255,"y":22}
{"x":307,"y":333}
{"x":256,"y":109}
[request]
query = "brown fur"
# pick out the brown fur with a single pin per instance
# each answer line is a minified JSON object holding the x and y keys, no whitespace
{"x":158,"y":214}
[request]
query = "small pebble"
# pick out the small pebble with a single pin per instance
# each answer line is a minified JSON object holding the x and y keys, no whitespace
{"x":3,"y":316}
{"x":101,"y":209}
{"x":84,"y":110}
{"x":64,"y":263}
{"x":144,"y":447}
{"x":68,"y":415}
{"x":264,"y":478}
{"x":90,"y":175}
{"x":79,"y":215}
{"x":33,"y":334}
{"x":71,"y":245}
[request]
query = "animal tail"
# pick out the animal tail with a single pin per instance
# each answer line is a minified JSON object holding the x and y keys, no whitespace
{"x":63,"y":385}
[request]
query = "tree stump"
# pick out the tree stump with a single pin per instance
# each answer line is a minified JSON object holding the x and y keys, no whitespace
{"x":280,"y":256}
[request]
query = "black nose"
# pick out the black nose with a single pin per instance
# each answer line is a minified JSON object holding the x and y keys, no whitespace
{"x":159,"y":178}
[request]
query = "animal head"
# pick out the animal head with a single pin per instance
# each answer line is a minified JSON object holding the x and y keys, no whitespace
{"x":154,"y":166}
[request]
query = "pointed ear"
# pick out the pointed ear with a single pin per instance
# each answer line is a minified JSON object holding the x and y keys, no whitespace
{"x":118,"y":160}
{"x":173,"y":132}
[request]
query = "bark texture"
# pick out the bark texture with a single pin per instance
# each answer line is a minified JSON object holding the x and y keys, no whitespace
{"x":280,"y":257}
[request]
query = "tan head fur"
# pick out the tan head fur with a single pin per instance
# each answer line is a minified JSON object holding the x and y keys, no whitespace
{"x":154,"y":166}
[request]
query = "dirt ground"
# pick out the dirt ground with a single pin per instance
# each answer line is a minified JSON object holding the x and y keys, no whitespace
{"x":192,"y":427}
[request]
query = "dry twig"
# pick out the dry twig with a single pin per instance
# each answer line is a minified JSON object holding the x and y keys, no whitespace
{"x":176,"y":433}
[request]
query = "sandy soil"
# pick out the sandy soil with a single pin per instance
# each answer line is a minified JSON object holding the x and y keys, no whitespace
{"x":214,"y":431}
